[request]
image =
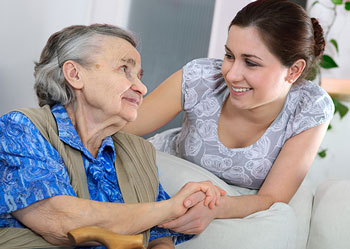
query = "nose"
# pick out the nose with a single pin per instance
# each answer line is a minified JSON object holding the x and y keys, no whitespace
{"x":139,"y":87}
{"x":234,"y":72}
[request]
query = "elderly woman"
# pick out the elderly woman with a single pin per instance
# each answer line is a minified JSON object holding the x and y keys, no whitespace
{"x":65,"y":165}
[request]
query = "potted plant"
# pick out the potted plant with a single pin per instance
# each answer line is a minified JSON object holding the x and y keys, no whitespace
{"x":327,"y":62}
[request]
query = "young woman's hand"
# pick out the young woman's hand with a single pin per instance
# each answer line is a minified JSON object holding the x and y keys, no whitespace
{"x":212,"y":192}
{"x":194,"y":192}
{"x":194,"y":221}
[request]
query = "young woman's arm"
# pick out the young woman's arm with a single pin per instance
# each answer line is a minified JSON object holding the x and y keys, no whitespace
{"x":159,"y":107}
{"x":282,"y":182}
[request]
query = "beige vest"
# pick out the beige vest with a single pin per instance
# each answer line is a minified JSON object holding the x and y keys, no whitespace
{"x":135,"y":166}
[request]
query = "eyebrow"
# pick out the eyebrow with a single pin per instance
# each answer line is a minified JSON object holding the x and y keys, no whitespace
{"x":245,"y":55}
{"x":133,"y":63}
{"x":129,"y":61}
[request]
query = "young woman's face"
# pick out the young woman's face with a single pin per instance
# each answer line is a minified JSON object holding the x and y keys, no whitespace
{"x":254,"y":76}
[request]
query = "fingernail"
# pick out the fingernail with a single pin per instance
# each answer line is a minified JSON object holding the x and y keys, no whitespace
{"x":188,"y":203}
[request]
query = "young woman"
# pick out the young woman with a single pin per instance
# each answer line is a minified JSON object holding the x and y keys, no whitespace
{"x":251,"y":118}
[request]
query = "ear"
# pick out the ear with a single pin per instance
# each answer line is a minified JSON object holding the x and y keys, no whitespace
{"x":295,"y":71}
{"x":71,"y":73}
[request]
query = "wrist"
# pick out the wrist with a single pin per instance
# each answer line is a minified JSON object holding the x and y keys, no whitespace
{"x":161,"y":243}
{"x":171,"y":209}
{"x":219,"y":211}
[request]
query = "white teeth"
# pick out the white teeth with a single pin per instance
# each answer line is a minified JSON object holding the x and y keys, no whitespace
{"x":240,"y":89}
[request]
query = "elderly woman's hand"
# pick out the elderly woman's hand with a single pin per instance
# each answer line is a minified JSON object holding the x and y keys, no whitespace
{"x":194,"y":192}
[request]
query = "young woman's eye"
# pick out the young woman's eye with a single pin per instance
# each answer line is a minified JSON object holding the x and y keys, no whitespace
{"x":228,"y":56}
{"x":251,"y":64}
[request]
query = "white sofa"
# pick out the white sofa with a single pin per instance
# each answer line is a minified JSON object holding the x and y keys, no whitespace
{"x":322,"y":220}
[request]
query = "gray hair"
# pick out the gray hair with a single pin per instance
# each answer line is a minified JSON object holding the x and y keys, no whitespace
{"x":78,"y":43}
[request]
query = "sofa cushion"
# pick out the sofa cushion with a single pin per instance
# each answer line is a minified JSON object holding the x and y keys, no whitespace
{"x":330,"y":220}
{"x":174,"y":172}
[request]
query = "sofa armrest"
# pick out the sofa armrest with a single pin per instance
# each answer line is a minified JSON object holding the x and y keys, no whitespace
{"x":330,"y":220}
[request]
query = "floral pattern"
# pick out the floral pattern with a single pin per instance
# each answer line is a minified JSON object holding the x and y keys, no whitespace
{"x":204,"y":92}
{"x":32,"y":170}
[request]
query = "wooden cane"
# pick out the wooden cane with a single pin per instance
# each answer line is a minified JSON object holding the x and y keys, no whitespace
{"x":109,"y":239}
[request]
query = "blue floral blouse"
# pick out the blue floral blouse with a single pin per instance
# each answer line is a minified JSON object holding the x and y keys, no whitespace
{"x":32,"y":170}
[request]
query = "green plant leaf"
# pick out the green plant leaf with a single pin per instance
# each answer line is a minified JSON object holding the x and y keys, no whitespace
{"x":347,"y":5}
{"x":328,"y":62}
{"x":329,"y":127}
{"x":314,"y":3}
{"x":340,"y":108}
{"x":322,"y":153}
{"x":313,"y":72}
{"x":337,"y":2}
{"x":335,"y":102}
{"x":334,"y":42}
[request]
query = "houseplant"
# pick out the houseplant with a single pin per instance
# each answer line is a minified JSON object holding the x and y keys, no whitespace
{"x":327,"y":62}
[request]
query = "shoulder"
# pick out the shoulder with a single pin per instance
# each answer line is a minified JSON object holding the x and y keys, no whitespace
{"x":18,"y":132}
{"x":202,"y":78}
{"x":309,"y":105}
{"x":121,"y":135}
{"x":21,"y":143}
{"x":134,"y":142}
{"x":312,"y":100}
{"x":202,"y":67}
{"x":15,"y":123}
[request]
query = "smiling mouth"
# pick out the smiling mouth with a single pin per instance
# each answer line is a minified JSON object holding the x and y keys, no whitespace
{"x":236,"y":89}
{"x":132,"y":100}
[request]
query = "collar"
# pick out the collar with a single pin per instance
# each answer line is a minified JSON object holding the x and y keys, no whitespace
{"x":69,"y":135}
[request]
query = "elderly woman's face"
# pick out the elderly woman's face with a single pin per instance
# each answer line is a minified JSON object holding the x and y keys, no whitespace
{"x":112,"y":85}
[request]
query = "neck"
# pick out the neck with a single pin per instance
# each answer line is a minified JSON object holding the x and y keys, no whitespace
{"x":91,"y":125}
{"x":261,"y":116}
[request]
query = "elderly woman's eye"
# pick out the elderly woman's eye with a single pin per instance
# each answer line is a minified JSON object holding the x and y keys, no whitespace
{"x":124,"y":68}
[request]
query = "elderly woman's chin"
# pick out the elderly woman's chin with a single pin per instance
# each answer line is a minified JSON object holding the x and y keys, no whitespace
{"x":129,"y":112}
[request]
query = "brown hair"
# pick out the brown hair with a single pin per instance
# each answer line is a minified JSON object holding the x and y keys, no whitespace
{"x":286,"y":29}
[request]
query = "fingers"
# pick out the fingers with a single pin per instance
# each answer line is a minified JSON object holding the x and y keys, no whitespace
{"x":193,"y":199}
{"x":193,"y":222}
{"x":222,"y":193}
{"x":212,"y":194}
{"x":179,"y":222}
{"x":188,"y":228}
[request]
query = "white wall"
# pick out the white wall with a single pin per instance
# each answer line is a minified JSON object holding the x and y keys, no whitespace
{"x":224,"y":12}
{"x":337,"y":141}
{"x":25,"y":27}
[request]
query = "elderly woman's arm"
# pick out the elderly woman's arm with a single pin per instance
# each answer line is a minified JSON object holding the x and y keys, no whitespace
{"x":161,"y":243}
{"x":52,"y":218}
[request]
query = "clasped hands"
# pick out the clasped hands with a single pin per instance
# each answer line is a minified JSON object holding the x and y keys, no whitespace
{"x":199,"y":201}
